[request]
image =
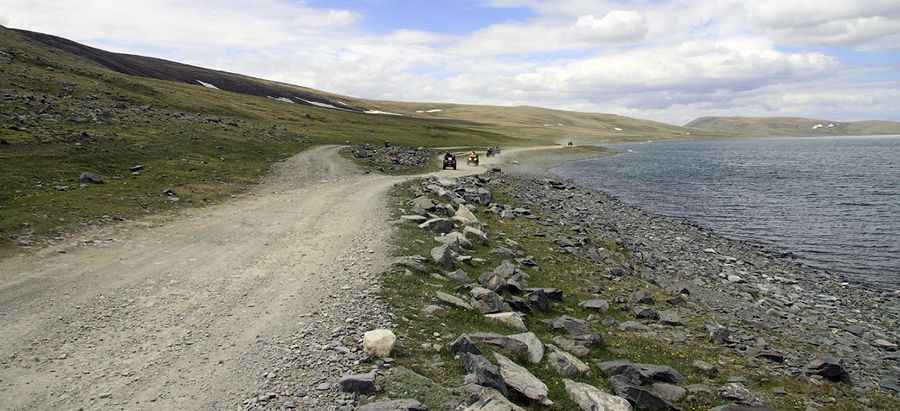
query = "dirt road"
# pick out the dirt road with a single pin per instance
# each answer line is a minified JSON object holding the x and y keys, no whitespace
{"x":198,"y":312}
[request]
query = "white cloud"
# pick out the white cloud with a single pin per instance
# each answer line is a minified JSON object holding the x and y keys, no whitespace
{"x":617,"y":25}
{"x":668,"y":60}
{"x":843,"y":22}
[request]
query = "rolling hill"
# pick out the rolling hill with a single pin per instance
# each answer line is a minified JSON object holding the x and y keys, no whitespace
{"x":792,"y":126}
{"x":149,"y":126}
{"x":521,"y":122}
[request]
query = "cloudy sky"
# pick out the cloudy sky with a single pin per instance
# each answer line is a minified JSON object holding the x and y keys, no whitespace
{"x":669,"y":60}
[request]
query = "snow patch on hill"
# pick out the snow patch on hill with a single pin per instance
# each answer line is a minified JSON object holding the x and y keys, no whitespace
{"x":382,"y":112}
{"x":207,"y":85}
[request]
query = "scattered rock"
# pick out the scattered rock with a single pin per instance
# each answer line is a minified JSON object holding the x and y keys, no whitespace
{"x":591,"y":398}
{"x":828,"y":367}
{"x":393,"y":405}
{"x":565,"y":364}
{"x":90,"y":178}
{"x":379,"y":343}
{"x":595,"y":304}
{"x":359,"y":383}
{"x":521,"y":380}
{"x":483,"y":372}
{"x":510,"y":319}
{"x":453,"y":300}
{"x":535,"y":347}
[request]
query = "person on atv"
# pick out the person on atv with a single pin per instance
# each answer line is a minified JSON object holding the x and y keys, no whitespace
{"x":449,"y":161}
{"x":473,"y":158}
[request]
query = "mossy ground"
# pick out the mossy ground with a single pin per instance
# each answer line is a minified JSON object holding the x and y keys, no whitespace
{"x":407,"y":294}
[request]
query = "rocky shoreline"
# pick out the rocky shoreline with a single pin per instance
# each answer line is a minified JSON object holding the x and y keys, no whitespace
{"x":576,"y":300}
{"x":766,"y":300}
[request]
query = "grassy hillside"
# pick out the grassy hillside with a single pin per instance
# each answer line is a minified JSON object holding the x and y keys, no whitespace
{"x":792,"y":126}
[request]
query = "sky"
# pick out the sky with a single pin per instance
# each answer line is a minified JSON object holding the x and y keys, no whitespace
{"x":667,"y":60}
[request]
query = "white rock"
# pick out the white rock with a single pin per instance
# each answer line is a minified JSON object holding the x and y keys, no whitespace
{"x":379,"y":343}
{"x":591,"y":398}
{"x":465,"y":214}
{"x":535,"y":347}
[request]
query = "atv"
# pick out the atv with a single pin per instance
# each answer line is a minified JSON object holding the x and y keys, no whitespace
{"x":473,"y":159}
{"x":449,"y":161}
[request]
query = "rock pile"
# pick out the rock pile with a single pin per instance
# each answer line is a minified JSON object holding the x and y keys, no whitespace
{"x":389,"y":158}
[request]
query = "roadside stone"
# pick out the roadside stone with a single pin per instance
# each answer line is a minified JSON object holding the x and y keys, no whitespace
{"x":572,"y":346}
{"x":641,"y":297}
{"x":456,"y":240}
{"x":828,"y":367}
{"x":489,"y":399}
{"x":485,"y":373}
{"x":633,"y":326}
{"x":459,"y":276}
{"x":595,"y":304}
{"x":453,"y":300}
{"x":477,"y":235}
{"x":535,"y":347}
{"x":565,"y":364}
{"x":668,"y":392}
{"x":434,"y":311}
{"x":393,"y":405}
{"x":90,"y":178}
{"x":511,"y":345}
{"x":487,"y":301}
{"x":521,"y":380}
{"x":645,"y":313}
{"x":738,"y":393}
{"x":379,"y":343}
{"x":510,"y":319}
{"x":359,"y":383}
{"x":424,"y":203}
{"x":418,"y":219}
{"x":438,"y":225}
{"x":705,"y":368}
{"x":443,"y":256}
{"x":648,"y":373}
{"x":463,"y":213}
{"x":591,"y":398}
{"x":670,"y":317}
{"x":572,"y":326}
{"x":885,"y":345}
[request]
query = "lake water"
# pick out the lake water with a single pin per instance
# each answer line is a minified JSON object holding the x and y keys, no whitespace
{"x":832,"y":201}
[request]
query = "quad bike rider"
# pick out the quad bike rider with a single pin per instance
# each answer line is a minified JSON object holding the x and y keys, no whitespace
{"x":491,"y":152}
{"x":473,"y":159}
{"x":449,"y":161}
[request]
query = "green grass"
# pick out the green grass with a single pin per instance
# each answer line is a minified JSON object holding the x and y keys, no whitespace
{"x":63,"y":116}
{"x":407,"y":294}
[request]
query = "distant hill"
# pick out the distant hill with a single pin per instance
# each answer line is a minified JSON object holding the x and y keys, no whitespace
{"x":523,"y":122}
{"x":792,"y":126}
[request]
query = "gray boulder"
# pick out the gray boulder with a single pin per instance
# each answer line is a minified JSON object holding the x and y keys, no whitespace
{"x":484,"y":373}
{"x":438,"y":225}
{"x":521,"y":380}
{"x":443,"y":255}
{"x":393,"y":405}
{"x":90,"y":178}
{"x":511,"y":345}
{"x":565,"y":364}
{"x":571,"y":325}
{"x":487,"y":301}
{"x":828,"y":367}
{"x":453,"y":300}
{"x":535,"y":347}
{"x":596,"y":304}
{"x":359,"y":383}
